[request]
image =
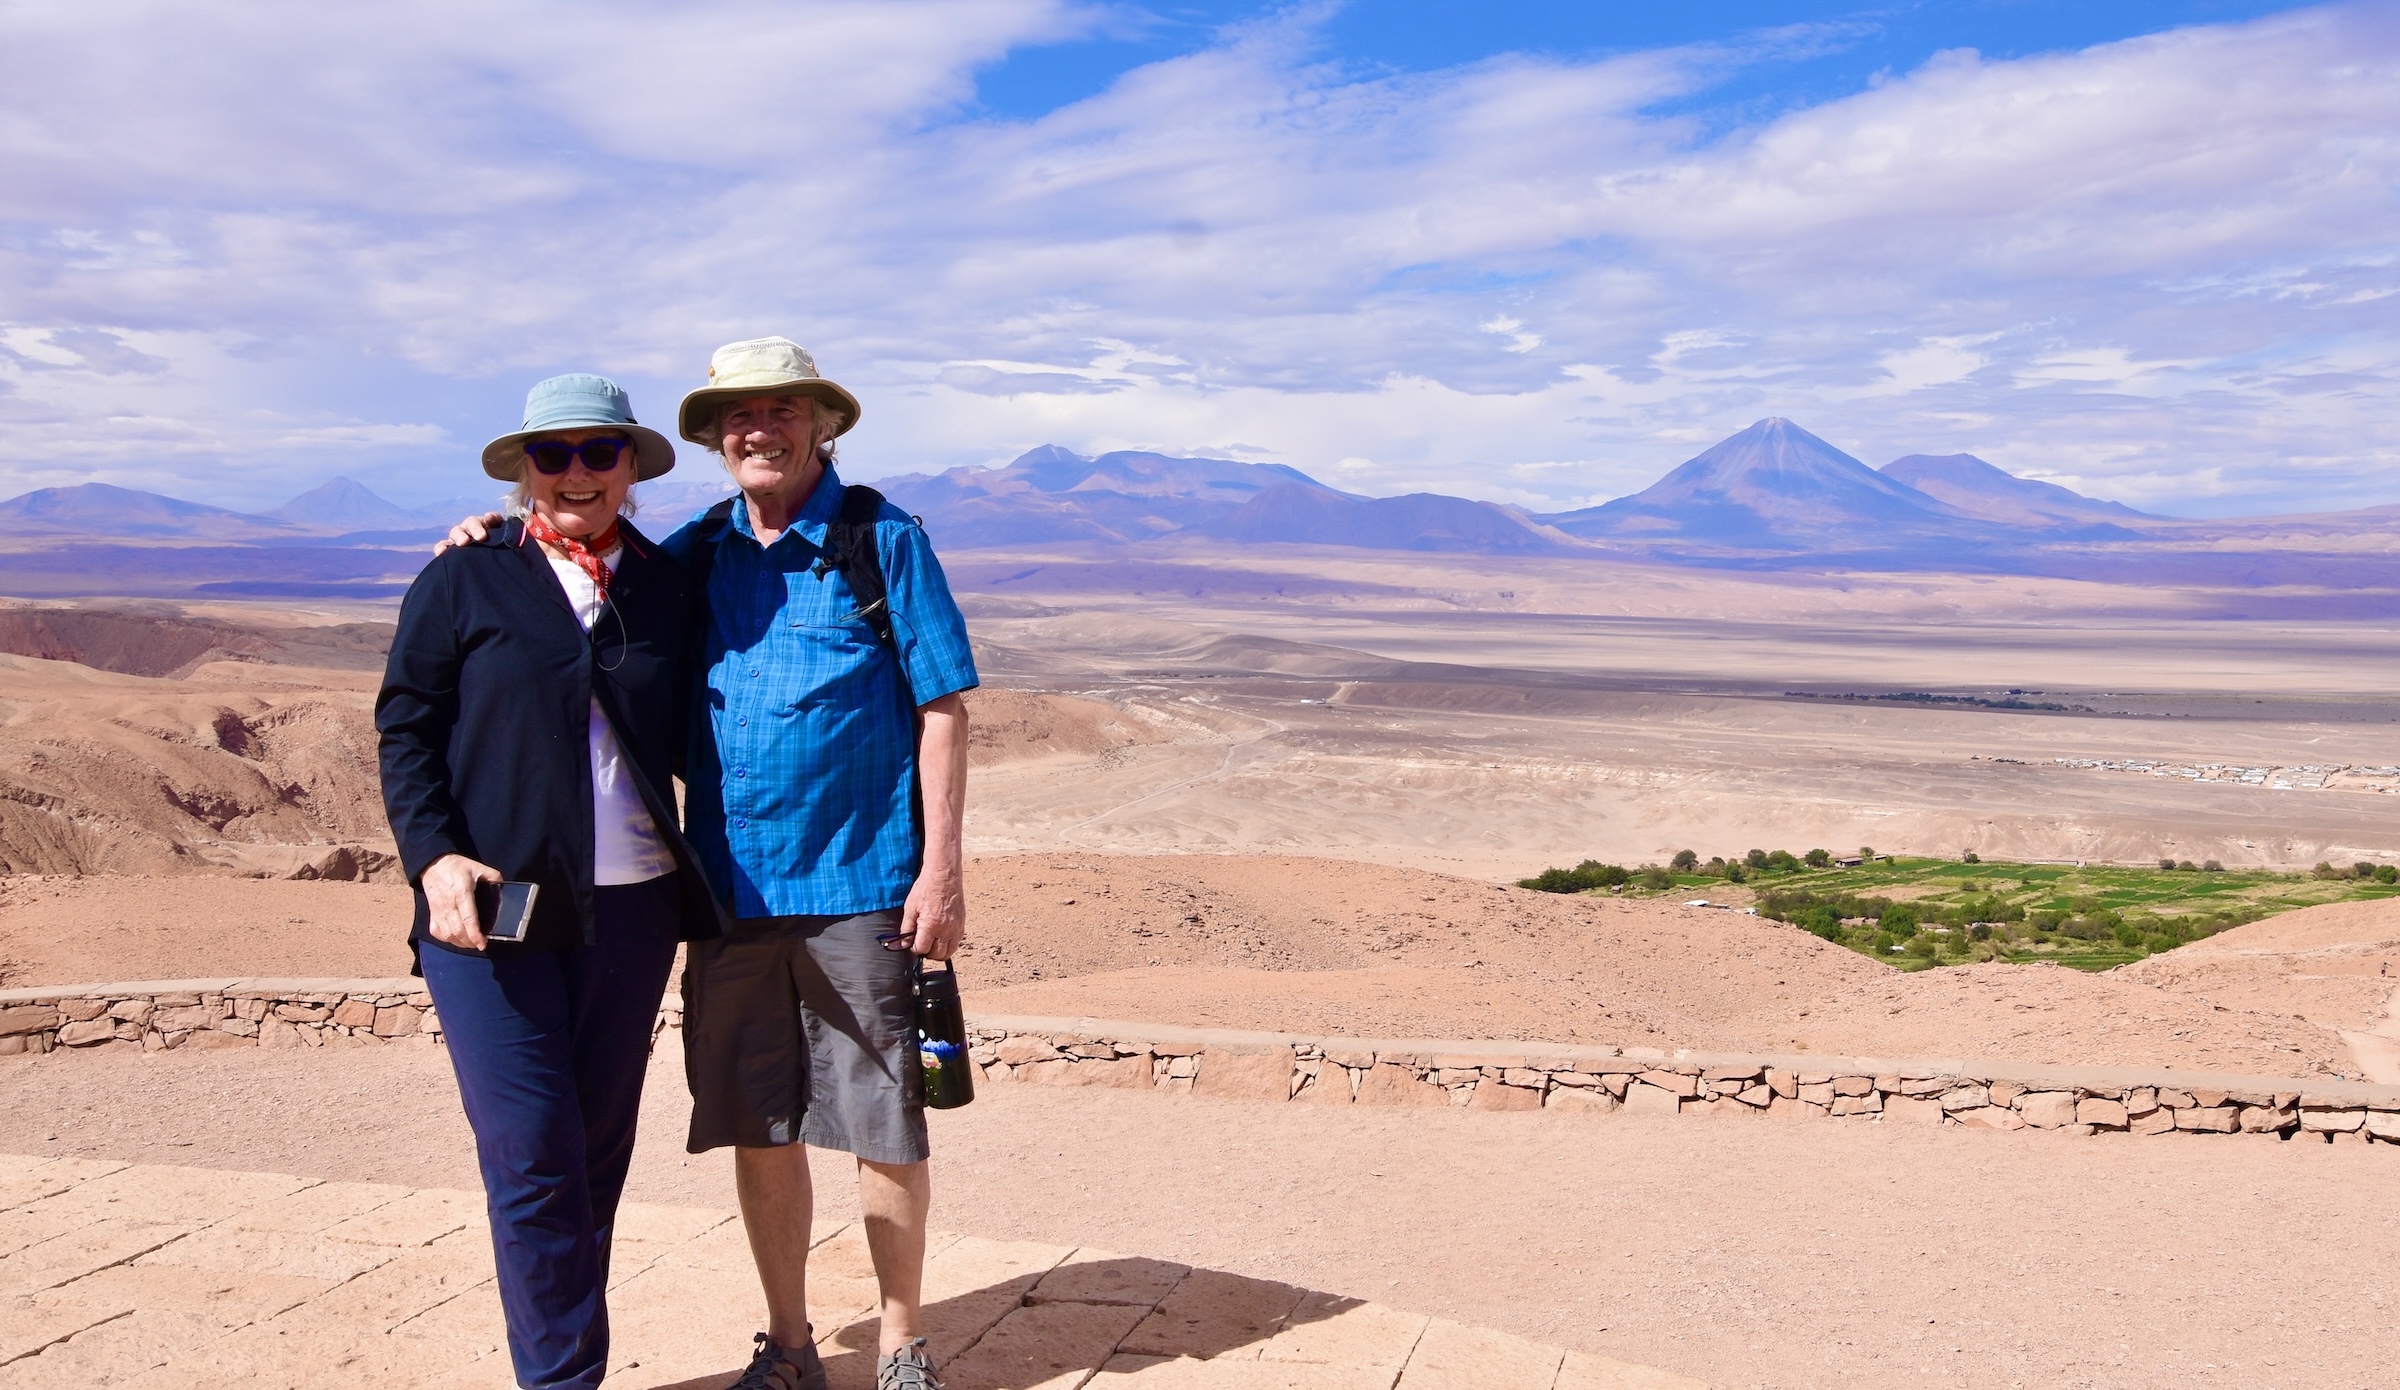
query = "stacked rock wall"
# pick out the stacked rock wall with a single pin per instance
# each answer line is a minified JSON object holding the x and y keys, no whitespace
{"x":163,"y":1015}
{"x":1511,"y":1076}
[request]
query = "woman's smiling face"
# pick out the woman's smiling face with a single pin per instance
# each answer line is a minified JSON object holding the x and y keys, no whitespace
{"x":580,"y":502}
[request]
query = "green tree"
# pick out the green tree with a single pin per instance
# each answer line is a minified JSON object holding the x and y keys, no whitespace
{"x":1684,"y":861}
{"x":1816,"y":859}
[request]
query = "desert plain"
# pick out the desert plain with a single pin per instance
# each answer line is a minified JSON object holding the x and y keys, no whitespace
{"x":1290,"y":789}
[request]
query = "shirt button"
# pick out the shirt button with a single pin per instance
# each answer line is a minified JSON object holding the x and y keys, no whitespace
{"x":741,"y":825}
{"x":754,"y":675}
{"x":745,"y":723}
{"x":741,"y":772}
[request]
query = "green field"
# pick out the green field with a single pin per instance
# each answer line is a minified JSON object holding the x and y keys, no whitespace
{"x":1919,"y":913}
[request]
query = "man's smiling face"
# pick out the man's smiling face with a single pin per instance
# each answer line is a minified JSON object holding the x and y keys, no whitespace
{"x":770,"y":444}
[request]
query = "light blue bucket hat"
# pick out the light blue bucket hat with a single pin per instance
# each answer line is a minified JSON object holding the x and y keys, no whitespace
{"x":578,"y":401}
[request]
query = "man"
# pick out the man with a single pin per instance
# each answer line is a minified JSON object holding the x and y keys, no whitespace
{"x":825,"y":787}
{"x":824,"y":797}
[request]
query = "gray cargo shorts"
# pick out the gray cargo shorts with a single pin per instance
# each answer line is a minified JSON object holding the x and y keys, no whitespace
{"x":802,"y":1030}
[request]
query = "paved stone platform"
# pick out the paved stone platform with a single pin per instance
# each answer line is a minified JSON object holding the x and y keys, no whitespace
{"x":151,"y":1277}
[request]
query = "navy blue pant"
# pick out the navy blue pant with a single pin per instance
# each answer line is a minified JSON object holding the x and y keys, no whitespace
{"x":550,"y":1048}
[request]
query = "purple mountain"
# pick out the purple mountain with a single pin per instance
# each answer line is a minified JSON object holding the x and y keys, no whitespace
{"x":345,"y":504}
{"x":1970,"y":485}
{"x":1418,"y":521}
{"x":1052,"y":494}
{"x":102,"y":510}
{"x":1774,"y":486}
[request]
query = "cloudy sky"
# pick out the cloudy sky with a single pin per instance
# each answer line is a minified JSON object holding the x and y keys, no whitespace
{"x":1532,"y":253}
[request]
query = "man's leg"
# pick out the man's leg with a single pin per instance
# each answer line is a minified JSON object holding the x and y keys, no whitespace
{"x":777,"y":1203}
{"x":864,"y":1095}
{"x":745,"y":1056}
{"x":894,"y":1199}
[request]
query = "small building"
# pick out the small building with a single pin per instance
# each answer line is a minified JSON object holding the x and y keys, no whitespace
{"x":1848,"y":861}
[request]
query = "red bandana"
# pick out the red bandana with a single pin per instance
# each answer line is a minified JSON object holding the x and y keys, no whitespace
{"x":585,"y":554}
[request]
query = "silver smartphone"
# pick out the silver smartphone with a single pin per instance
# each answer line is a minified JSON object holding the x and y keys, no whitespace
{"x":506,"y":909}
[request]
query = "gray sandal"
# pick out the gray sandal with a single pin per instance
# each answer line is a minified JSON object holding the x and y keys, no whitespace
{"x":778,"y":1367}
{"x":909,"y":1368}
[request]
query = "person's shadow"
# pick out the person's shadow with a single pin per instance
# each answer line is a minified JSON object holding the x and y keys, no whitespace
{"x":1120,"y":1311}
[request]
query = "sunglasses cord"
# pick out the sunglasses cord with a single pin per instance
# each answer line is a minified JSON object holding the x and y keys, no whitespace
{"x":608,"y":609}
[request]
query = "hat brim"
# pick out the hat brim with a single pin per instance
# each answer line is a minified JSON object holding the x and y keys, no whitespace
{"x":653,"y":453}
{"x":699,"y":410}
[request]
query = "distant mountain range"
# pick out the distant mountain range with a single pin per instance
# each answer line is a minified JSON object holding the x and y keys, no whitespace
{"x":1050,"y":494}
{"x":1777,"y":488}
{"x":1772,"y":496}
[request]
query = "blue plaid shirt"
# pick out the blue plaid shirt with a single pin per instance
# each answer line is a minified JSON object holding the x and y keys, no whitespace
{"x":800,"y":796}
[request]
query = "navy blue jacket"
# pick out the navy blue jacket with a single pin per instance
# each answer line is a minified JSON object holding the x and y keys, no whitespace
{"x":485,"y":714}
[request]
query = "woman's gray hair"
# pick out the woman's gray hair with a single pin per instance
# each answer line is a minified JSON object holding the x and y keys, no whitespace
{"x":519,"y":499}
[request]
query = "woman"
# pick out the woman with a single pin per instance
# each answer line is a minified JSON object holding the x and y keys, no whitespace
{"x":530,"y":712}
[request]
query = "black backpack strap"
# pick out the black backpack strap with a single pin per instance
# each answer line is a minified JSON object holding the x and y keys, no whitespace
{"x":718,"y":520}
{"x":850,"y":548}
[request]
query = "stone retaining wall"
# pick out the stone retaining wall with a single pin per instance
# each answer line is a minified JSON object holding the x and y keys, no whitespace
{"x":161,"y":1015}
{"x":1522,"y":1076}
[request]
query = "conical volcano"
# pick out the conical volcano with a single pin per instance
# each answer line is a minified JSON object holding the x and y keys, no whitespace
{"x":1774,"y":486}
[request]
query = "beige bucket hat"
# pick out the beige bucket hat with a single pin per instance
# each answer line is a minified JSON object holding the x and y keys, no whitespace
{"x":760,"y":367}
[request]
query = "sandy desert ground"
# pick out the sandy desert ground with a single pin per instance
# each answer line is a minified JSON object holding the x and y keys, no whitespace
{"x":1470,"y":715}
{"x":1749,"y":1254}
{"x":1209,"y":793}
{"x":1325,"y":947}
{"x":1490,"y":717}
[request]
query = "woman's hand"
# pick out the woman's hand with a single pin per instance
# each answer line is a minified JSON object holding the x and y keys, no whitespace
{"x":449,"y":885}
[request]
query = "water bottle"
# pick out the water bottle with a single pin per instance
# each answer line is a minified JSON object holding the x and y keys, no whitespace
{"x":942,"y":1039}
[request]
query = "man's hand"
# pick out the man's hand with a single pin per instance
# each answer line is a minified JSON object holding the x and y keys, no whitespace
{"x":449,"y":886}
{"x":934,"y":918}
{"x":469,"y":531}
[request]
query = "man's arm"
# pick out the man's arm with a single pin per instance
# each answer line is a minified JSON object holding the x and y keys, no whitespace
{"x":934,"y":919}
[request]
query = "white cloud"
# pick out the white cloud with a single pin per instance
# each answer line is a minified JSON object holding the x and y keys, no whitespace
{"x":364,"y":436}
{"x":1932,"y":362}
{"x":2155,"y":259}
{"x":1514,"y":331}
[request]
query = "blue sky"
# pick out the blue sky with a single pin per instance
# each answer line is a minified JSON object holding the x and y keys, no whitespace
{"x":1535,"y":253}
{"x":1820,"y":52}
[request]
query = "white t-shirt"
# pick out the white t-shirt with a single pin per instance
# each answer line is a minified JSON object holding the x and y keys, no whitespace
{"x":625,"y":843}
